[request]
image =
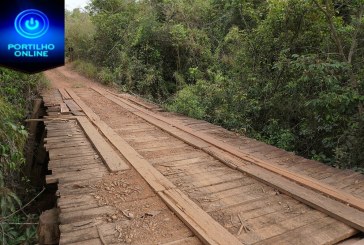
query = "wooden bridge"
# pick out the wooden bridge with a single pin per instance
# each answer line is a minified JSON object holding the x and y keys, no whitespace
{"x":130,"y":173}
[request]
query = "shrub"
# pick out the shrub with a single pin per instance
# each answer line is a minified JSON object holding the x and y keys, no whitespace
{"x":17,"y":90}
{"x":86,"y":68}
{"x":188,"y":103}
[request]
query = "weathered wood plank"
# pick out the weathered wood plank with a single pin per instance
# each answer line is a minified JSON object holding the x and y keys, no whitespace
{"x":318,"y":231}
{"x":64,"y":94}
{"x":335,"y":209}
{"x":77,"y":113}
{"x":64,"y":109}
{"x":107,"y":153}
{"x":361,"y":242}
{"x":72,"y":105}
{"x":87,"y":242}
{"x":72,"y":217}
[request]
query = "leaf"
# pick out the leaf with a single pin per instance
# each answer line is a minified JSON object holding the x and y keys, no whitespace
{"x":16,"y":198}
{"x":3,"y":206}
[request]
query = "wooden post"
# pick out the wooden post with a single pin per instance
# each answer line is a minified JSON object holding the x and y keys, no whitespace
{"x":48,"y":229}
{"x":32,"y":129}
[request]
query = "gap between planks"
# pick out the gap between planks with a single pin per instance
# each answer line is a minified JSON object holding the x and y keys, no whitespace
{"x":286,"y":181}
{"x":202,"y":224}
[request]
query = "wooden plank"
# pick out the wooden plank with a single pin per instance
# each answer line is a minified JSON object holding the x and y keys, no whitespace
{"x":64,"y":94}
{"x":83,"y":153}
{"x":183,"y":162}
{"x":188,"y":169}
{"x":158,"y":143}
{"x":90,"y":167}
{"x":145,"y":139}
{"x":67,"y":144}
{"x":214,"y":180}
{"x":54,"y":110}
{"x":338,"y":210}
{"x":72,"y":200}
{"x":64,"y":109}
{"x":47,"y":103}
{"x":65,"y":133}
{"x":87,"y":242}
{"x":180,"y":157}
{"x":79,"y":235}
{"x":98,"y":171}
{"x":195,"y":172}
{"x":79,"y":225}
{"x":161,"y":148}
{"x":89,"y":233}
{"x":72,"y":105}
{"x":71,"y":217}
{"x":64,"y":118}
{"x":80,"y":207}
{"x":67,"y":138}
{"x":106,"y":152}
{"x":51,"y":180}
{"x":61,"y":128}
{"x":235,"y":200}
{"x":32,"y":129}
{"x":75,"y":163}
{"x":70,"y":151}
{"x":231,"y":184}
{"x":323,"y":231}
{"x":74,"y":177}
{"x":361,"y":242}
{"x":205,"y":228}
{"x":257,"y":211}
{"x":134,"y":100}
{"x":70,"y":190}
{"x":197,"y":177}
{"x":77,"y":113}
{"x":260,"y":232}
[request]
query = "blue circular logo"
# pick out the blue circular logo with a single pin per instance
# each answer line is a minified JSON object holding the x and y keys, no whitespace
{"x":31,"y":24}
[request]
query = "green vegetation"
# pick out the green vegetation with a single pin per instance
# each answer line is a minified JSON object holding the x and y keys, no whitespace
{"x":16,"y":94}
{"x":288,"y":72}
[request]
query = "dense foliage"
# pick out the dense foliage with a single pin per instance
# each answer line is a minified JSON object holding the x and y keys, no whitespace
{"x":289,"y":72}
{"x":16,"y":93}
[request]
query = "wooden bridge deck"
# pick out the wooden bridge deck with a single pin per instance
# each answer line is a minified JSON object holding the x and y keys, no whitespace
{"x":97,"y":206}
{"x":124,"y":168}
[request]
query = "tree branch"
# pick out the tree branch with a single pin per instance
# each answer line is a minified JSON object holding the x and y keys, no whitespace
{"x":355,"y":40}
{"x":21,"y":209}
{"x":334,"y":34}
